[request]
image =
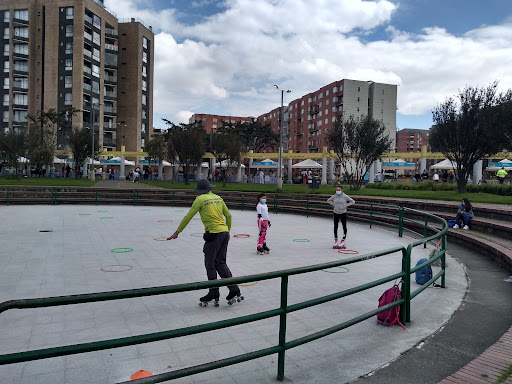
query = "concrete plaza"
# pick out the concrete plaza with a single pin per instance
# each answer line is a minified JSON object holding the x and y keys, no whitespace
{"x":69,"y":260}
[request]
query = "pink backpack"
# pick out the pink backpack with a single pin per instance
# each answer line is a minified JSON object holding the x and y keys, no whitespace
{"x":391,"y":316}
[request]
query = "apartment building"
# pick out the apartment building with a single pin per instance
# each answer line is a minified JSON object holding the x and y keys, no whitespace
{"x":411,"y":140}
{"x":312,"y":116}
{"x":212,"y":122}
{"x":76,"y":53}
{"x":274,"y":119}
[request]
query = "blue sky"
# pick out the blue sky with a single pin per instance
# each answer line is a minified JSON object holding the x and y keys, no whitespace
{"x":223,"y":56}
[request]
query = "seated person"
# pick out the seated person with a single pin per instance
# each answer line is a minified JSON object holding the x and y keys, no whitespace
{"x":464,"y":212}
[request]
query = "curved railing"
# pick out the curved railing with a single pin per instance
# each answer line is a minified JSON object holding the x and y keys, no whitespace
{"x":279,"y":203}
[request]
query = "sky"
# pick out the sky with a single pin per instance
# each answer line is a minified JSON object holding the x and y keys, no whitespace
{"x":223,"y":57}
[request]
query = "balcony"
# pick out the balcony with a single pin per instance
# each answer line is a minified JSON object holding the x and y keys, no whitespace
{"x":19,"y":88}
{"x":20,"y":38}
{"x":107,"y":110}
{"x":109,"y":127}
{"x":87,"y":54}
{"x":110,"y":79}
{"x":23,"y":107}
{"x":110,"y":94}
{"x":108,"y":142}
{"x":19,"y":70}
{"x":19,"y":55}
{"x":87,"y":87}
{"x":87,"y":71}
{"x":112,"y":33}
{"x":111,"y":47}
{"x":111,"y":63}
{"x":19,"y":22}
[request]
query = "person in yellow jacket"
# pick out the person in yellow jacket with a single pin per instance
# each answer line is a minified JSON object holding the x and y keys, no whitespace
{"x":501,"y":174}
{"x":212,"y":210}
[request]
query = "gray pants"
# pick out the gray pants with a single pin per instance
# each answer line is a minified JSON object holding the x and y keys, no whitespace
{"x":215,"y":260}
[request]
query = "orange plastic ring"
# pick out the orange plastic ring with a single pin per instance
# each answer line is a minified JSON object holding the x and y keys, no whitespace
{"x":163,"y":238}
{"x":348,"y":252}
{"x":242,"y":235}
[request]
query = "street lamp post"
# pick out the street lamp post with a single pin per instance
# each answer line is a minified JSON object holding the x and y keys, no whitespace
{"x":280,"y":163}
{"x":122,"y":175}
{"x":93,"y":176}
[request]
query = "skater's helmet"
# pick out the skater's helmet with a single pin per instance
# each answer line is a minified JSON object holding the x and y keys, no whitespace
{"x":204,"y":186}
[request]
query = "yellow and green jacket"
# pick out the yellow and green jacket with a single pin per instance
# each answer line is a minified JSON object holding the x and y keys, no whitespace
{"x":211,"y":208}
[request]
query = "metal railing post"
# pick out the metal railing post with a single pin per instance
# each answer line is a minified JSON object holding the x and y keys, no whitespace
{"x":307,"y":206}
{"x":242,"y":202}
{"x":282,"y":328}
{"x":172,"y":201}
{"x":96,"y":197}
{"x":7,"y":196}
{"x":400,"y":221}
{"x":275,"y":204}
{"x":371,"y":214}
{"x":425,"y":232}
{"x":443,"y":260}
{"x":134,"y":197}
{"x":406,"y":294}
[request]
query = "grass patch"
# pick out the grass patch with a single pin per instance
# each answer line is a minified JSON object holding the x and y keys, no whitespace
{"x":47,"y":182}
{"x":505,"y":375}
{"x":447,"y":195}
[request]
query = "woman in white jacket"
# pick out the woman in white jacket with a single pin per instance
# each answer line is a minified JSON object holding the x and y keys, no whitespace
{"x":340,"y":202}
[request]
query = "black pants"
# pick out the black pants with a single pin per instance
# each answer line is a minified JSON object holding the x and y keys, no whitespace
{"x":337,"y":217}
{"x":215,"y":252}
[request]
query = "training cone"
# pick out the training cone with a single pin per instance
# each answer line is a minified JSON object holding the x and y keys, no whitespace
{"x":140,"y":374}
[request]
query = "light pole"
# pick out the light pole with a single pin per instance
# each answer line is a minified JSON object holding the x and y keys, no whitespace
{"x":93,"y":176}
{"x":122,"y":176}
{"x":280,"y":163}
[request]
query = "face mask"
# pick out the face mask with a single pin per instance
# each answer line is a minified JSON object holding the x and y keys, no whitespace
{"x":463,"y":203}
{"x":339,"y":192}
{"x":263,"y":201}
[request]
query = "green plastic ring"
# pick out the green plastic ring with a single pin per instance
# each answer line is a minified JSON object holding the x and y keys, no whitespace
{"x":122,"y":250}
{"x":106,"y":217}
{"x":301,"y":240}
{"x":145,"y":209}
{"x":84,"y":214}
{"x":196,"y":234}
{"x":102,"y":211}
{"x":347,"y":270}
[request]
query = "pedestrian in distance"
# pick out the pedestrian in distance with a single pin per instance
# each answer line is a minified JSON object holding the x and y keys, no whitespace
{"x":263,"y":224}
{"x":445,"y":176}
{"x":425,"y":175}
{"x":212,"y":210}
{"x":436,"y":177}
{"x":464,"y":213}
{"x":340,"y":202}
{"x":501,"y":175}
{"x":262,"y":177}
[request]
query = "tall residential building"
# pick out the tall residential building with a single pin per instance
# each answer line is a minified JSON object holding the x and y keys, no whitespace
{"x":411,"y":140}
{"x":274,"y":119}
{"x":313,"y":115}
{"x":75,"y":53}
{"x":212,"y":122}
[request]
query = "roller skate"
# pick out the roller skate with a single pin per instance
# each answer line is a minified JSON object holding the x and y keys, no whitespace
{"x":233,"y":297}
{"x":260,"y":251}
{"x":335,"y":246}
{"x":265,"y":248}
{"x":203,"y":301}
{"x":341,"y":244}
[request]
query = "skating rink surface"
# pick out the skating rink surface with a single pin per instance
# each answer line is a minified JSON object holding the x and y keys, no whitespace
{"x":69,"y":260}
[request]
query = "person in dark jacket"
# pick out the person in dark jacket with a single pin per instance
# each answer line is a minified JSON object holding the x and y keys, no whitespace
{"x":464,"y":213}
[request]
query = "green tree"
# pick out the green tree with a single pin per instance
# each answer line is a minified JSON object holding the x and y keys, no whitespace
{"x":186,"y":142}
{"x":13,"y":145}
{"x":472,"y":126}
{"x":254,"y":135}
{"x":227,"y":145}
{"x":80,"y":143}
{"x":156,"y":149}
{"x":357,"y":144}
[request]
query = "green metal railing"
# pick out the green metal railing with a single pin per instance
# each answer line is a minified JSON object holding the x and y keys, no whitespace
{"x":282,"y":203}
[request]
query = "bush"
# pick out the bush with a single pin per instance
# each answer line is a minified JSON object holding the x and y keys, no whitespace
{"x":495,"y":189}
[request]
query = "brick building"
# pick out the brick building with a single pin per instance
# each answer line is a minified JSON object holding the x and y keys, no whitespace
{"x":274,"y":119}
{"x":411,"y":140}
{"x":212,"y":122}
{"x":75,"y":53}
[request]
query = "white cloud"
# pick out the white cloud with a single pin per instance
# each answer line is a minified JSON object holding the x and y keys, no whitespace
{"x":228,"y":62}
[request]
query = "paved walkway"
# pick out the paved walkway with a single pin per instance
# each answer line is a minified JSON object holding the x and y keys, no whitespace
{"x":69,"y":259}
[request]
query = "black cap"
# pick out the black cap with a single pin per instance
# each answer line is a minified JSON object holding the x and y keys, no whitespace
{"x":203,"y":186}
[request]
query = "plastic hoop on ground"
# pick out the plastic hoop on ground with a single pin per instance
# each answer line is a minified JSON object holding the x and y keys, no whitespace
{"x":122,"y":250}
{"x":163,"y":238}
{"x":126,"y":269}
{"x":165,"y":221}
{"x":101,"y":211}
{"x":84,"y":214}
{"x":242,"y":235}
{"x":106,"y":217}
{"x":348,"y":252}
{"x":301,"y":240}
{"x":196,"y":234}
{"x":346,"y":270}
{"x":248,"y":285}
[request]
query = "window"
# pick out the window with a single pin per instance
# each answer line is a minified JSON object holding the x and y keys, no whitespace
{"x":144,"y":85}
{"x":95,"y":70}
{"x":357,"y":109}
{"x":144,"y":114}
{"x":320,"y":95}
{"x":382,"y":91}
{"x":95,"y":86}
{"x":96,"y":54}
{"x":69,"y":48}
{"x":333,"y":119}
{"x":232,"y":121}
{"x":69,"y":65}
{"x":358,"y":99}
{"x":144,"y":42}
{"x":69,"y":30}
{"x":7,"y":16}
{"x":20,"y":66}
{"x":96,"y":21}
{"x":381,"y":111}
{"x":69,"y":13}
{"x":21,"y":14}
{"x":334,"y":89}
{"x":20,"y":116}
{"x":20,"y":99}
{"x":68,"y":99}
{"x":215,"y":120}
{"x":143,"y":129}
{"x":358,"y":89}
{"x":6,"y":33}
{"x":21,"y":48}
{"x":327,"y":102}
{"x":143,"y":99}
{"x":96,"y":37}
{"x":142,"y":142}
{"x":6,"y":100}
{"x":21,"y":32}
{"x":21,"y":82}
{"x":309,"y":100}
{"x":6,"y":66}
{"x":68,"y":82}
{"x":145,"y":57}
{"x":214,"y":126}
{"x":144,"y":71}
{"x":326,"y":121}
{"x":327,"y":93}
{"x":6,"y":117}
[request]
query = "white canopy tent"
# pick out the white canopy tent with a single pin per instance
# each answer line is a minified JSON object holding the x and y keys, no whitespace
{"x":56,"y":160}
{"x":397,"y":164}
{"x":88,"y":161}
{"x":265,"y":164}
{"x":22,"y":159}
{"x":227,"y":164}
{"x":308,"y":163}
{"x":117,"y":161}
{"x":493,"y":167}
{"x":446,"y":164}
